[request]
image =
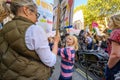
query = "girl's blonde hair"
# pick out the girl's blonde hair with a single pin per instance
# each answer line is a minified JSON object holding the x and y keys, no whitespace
{"x":75,"y":43}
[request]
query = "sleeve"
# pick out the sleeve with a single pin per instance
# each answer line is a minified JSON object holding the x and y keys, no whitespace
{"x":65,"y":53}
{"x":59,"y":51}
{"x":36,"y":39}
{"x":115,"y":36}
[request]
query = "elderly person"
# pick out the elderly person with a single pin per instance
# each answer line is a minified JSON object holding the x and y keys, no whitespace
{"x":24,"y":49}
{"x":113,"y":67}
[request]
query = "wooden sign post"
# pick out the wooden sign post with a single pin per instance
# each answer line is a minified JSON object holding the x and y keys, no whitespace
{"x":58,"y":20}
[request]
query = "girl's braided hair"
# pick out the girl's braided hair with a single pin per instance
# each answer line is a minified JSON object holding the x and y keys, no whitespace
{"x":4,"y":10}
{"x":8,"y":7}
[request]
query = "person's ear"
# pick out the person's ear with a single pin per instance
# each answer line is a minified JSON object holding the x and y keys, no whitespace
{"x":26,"y":11}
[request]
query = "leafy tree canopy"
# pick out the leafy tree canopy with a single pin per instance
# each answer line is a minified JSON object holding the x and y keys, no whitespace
{"x":96,"y":10}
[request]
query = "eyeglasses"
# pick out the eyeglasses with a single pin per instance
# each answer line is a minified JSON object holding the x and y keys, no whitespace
{"x":38,"y":15}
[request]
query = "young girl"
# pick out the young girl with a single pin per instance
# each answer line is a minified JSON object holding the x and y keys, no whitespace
{"x":68,"y":57}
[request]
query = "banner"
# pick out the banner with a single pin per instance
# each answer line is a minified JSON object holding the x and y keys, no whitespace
{"x":46,"y":15}
{"x":66,"y":13}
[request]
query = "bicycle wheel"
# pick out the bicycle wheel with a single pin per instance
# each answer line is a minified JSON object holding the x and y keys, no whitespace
{"x":98,"y":72}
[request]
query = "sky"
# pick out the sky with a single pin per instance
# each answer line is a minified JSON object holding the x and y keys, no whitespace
{"x":76,"y":3}
{"x":79,"y":2}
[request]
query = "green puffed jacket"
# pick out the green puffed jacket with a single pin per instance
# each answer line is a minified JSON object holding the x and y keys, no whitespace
{"x":17,"y":62}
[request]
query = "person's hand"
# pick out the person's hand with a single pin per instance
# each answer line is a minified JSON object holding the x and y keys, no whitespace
{"x":55,"y":46}
{"x":57,"y":39}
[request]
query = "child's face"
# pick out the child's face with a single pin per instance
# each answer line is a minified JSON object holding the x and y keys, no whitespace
{"x":69,"y":41}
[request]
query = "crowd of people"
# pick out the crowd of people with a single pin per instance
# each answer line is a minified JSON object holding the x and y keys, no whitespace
{"x":89,"y":41}
{"x":26,"y":55}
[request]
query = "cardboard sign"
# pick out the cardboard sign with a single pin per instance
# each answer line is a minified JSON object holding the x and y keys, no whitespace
{"x":46,"y":15}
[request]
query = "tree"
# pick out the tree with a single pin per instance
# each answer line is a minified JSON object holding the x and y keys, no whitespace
{"x":98,"y":9}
